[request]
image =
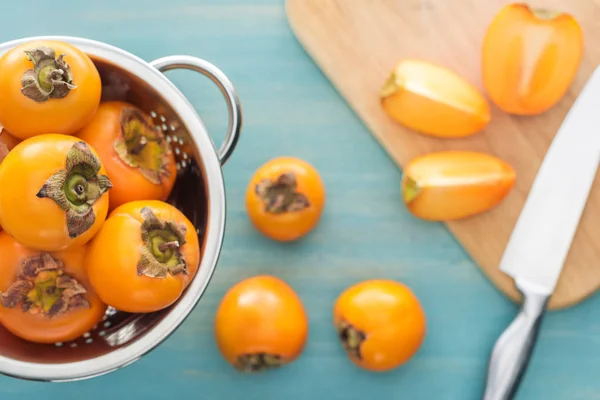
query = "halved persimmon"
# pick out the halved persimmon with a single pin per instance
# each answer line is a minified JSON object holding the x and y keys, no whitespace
{"x":449,"y":185}
{"x":46,"y":297}
{"x":54,"y":192}
{"x":530,"y":57}
{"x":47,"y":86}
{"x":261,"y":324}
{"x":380,"y":323}
{"x":137,"y":157}
{"x":285,"y":198}
{"x":434,"y":100}
{"x":143,"y":257}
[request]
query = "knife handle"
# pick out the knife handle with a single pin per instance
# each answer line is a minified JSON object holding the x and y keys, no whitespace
{"x":513,"y":349}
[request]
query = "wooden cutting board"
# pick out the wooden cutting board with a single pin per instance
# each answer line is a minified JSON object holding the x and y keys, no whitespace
{"x":356,"y":43}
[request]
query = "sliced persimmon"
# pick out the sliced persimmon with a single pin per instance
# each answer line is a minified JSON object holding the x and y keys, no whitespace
{"x":449,"y":185}
{"x":530,"y":58}
{"x":434,"y":100}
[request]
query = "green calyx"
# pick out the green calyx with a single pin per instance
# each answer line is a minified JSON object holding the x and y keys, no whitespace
{"x":76,"y":188}
{"x":162,"y":241}
{"x":410,"y":189}
{"x":257,"y":362}
{"x":390,"y":87}
{"x":50,"y":77}
{"x":142,"y":145}
{"x":280,"y":196}
{"x":43,"y":287}
{"x":351,"y":339}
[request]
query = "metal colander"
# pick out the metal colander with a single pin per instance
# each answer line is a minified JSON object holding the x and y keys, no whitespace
{"x":122,"y":338}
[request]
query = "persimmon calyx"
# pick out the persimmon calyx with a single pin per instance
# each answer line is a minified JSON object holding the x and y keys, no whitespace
{"x":77,"y":187}
{"x":50,"y":77}
{"x":43,"y":287}
{"x":351,"y":338}
{"x":142,"y":145}
{"x":410,"y":190}
{"x":256,"y":362}
{"x":160,"y":251}
{"x":391,"y":86}
{"x":545,"y":13}
{"x":280,"y":196}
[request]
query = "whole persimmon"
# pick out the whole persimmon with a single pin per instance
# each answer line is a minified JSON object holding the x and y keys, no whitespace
{"x":54,"y":192}
{"x":285,"y":198}
{"x":47,"y":86}
{"x":260,"y":324}
{"x":7,"y":143}
{"x":137,"y":157}
{"x":380,"y":324}
{"x":46,"y":297}
{"x":143,"y":257}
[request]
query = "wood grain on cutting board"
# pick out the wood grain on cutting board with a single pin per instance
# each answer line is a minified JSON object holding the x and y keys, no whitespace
{"x":356,"y":43}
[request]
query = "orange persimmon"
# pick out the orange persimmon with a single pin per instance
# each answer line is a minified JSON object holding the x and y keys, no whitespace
{"x":285,"y":198}
{"x":54,"y":192}
{"x":46,"y":297}
{"x":448,"y":185}
{"x":530,"y":58}
{"x":261,"y":323}
{"x":137,"y":157}
{"x":47,"y":86}
{"x":143,"y":257}
{"x":380,"y":323}
{"x":434,"y":100}
{"x":7,"y":143}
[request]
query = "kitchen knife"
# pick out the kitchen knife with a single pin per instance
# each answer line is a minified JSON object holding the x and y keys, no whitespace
{"x":542,"y":236}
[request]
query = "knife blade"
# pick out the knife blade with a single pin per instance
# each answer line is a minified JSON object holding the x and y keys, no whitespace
{"x":542,"y":236}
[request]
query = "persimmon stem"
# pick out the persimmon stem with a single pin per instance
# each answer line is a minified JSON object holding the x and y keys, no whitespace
{"x":169,"y":245}
{"x":77,"y":187}
{"x":161,"y":253}
{"x":351,"y":338}
{"x":255,"y":362}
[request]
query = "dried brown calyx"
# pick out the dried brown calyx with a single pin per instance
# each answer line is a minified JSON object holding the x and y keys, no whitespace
{"x":77,"y":187}
{"x":351,"y":338}
{"x":280,"y":196}
{"x":142,"y":145}
{"x":50,"y":77}
{"x":43,"y":287}
{"x":162,"y":241}
{"x":258,"y":362}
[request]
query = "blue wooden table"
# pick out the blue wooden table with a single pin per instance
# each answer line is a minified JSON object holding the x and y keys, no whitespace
{"x":291,"y":109}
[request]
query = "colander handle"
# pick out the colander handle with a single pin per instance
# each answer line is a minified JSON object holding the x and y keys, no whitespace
{"x":220,"y":79}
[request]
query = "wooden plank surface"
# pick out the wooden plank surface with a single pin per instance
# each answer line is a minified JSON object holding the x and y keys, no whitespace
{"x":357,"y":44}
{"x":290,"y":108}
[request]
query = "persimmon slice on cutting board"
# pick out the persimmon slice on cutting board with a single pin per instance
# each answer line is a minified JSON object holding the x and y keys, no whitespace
{"x":449,"y":185}
{"x":434,"y":100}
{"x":530,"y":58}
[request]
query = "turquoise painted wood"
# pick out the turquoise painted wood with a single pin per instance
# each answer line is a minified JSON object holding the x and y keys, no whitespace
{"x":291,"y":109}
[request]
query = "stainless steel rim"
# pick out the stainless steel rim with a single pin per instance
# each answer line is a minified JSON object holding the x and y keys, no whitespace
{"x":227,"y":89}
{"x":211,"y":163}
